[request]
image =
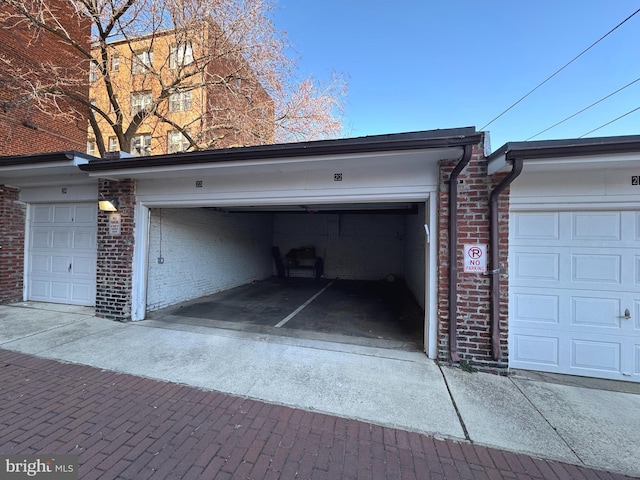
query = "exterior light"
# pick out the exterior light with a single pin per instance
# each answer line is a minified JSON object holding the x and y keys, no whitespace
{"x":108,"y":204}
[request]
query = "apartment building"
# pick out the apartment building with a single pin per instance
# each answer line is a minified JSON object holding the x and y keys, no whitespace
{"x":176,"y":91}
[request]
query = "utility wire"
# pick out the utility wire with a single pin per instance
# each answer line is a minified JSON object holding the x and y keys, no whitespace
{"x":563,"y":67}
{"x":584,"y":109}
{"x":609,"y":123}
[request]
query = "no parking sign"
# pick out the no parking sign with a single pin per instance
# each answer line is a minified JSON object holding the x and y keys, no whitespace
{"x":475,"y":258}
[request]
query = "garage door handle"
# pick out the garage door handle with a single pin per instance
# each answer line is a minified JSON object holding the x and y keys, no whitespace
{"x":69,"y":269}
{"x":627,"y":314}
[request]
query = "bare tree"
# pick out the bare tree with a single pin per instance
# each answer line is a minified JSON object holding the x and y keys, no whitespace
{"x":149,"y":59}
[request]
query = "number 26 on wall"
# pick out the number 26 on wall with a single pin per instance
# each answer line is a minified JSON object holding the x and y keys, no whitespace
{"x":635,"y":180}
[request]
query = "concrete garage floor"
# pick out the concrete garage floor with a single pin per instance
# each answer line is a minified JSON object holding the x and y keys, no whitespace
{"x":379,"y":314}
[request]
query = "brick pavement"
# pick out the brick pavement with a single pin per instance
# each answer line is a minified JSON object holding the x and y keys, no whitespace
{"x":127,"y":427}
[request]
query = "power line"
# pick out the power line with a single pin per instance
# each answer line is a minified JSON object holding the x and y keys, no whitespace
{"x":584,"y":109}
{"x":563,"y":67}
{"x":609,"y":123}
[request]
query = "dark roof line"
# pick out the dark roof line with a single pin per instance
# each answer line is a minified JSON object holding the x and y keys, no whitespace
{"x":446,"y":138}
{"x":48,"y":157}
{"x":571,"y":147}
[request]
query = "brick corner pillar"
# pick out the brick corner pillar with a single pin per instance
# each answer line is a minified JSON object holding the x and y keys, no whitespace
{"x":115,"y":251}
{"x":473,"y":313}
{"x":13,"y":214}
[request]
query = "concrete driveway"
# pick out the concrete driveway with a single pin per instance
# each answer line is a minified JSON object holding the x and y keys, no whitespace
{"x":574,"y":423}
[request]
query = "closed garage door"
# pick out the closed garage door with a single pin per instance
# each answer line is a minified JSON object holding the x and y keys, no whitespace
{"x":575,"y":293}
{"x":62,"y":253}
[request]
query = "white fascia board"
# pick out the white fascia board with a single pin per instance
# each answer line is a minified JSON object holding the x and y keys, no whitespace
{"x":497,"y":164}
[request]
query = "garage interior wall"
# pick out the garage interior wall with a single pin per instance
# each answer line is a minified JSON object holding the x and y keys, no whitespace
{"x":205,"y":251}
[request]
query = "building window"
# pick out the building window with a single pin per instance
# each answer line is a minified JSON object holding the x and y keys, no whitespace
{"x":93,"y":72}
{"x":140,"y":101}
{"x":180,"y":102}
{"x":142,"y":62}
{"x":141,"y":145}
{"x":181,"y":55}
{"x":91,"y":147}
{"x":177,"y":142}
{"x":113,"y":144}
{"x":115,"y":63}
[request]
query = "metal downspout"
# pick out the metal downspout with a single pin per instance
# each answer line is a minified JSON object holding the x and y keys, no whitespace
{"x":494,"y":245}
{"x":453,"y":250}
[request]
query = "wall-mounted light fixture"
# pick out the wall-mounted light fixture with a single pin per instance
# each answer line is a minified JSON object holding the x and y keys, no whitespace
{"x":108,"y":204}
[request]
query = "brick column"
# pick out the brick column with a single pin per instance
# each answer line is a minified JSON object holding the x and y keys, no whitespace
{"x":473,"y":309}
{"x":13,"y":214}
{"x":115,"y":253}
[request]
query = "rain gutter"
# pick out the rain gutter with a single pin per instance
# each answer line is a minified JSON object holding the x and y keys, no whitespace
{"x":453,"y":250}
{"x":494,"y":245}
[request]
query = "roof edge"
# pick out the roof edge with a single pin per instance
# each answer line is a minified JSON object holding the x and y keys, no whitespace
{"x":370,"y":144}
{"x":567,"y":147}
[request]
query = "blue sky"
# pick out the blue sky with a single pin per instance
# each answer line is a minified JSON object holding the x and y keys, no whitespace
{"x":421,"y":65}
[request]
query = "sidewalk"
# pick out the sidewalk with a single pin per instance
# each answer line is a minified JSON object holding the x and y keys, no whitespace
{"x":393,"y":400}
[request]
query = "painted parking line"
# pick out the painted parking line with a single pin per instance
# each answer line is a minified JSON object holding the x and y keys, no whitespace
{"x":302,"y":307}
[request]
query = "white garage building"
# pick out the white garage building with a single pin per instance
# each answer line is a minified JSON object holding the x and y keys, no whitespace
{"x":574,"y":256}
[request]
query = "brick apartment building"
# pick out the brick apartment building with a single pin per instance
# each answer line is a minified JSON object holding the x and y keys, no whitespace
{"x":216,"y":99}
{"x":35,"y":56}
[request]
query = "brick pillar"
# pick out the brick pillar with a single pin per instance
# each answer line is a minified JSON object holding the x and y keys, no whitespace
{"x":115,"y":253}
{"x":13,"y":215}
{"x":474,"y":296}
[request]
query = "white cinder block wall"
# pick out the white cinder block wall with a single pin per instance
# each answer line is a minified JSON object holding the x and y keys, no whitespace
{"x":353,"y":246}
{"x":204,"y":252}
{"x":414,"y":254}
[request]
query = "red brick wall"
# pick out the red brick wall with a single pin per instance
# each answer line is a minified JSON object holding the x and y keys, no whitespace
{"x":23,"y":128}
{"x":474,"y":298}
{"x":12,"y":231}
{"x":115,"y":253}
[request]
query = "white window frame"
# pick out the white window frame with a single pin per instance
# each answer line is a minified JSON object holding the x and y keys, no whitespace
{"x":181,"y":55}
{"x":140,"y":101}
{"x":177,"y":142}
{"x":115,"y":63}
{"x":91,"y":147}
{"x":142,"y":62}
{"x":141,"y":145}
{"x":113,"y":144}
{"x":180,"y":101}
{"x":93,"y":72}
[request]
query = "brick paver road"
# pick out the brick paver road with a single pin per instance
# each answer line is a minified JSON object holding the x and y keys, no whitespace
{"x":122,"y":426}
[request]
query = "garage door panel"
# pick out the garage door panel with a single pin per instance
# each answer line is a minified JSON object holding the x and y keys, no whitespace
{"x":83,"y":240}
{"x":540,"y":266}
{"x":532,"y":307}
{"x":62,"y":239}
{"x":63,"y":213}
{"x":60,"y":291}
{"x":596,"y":312}
{"x":533,"y":349}
{"x":537,"y":226}
{"x":40,"y":264}
{"x":83,"y":266}
{"x":40,"y":239}
{"x":596,"y":226}
{"x":85,"y":214}
{"x":595,"y":268}
{"x":597,"y":355}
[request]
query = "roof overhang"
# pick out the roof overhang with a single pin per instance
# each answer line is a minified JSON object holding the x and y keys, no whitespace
{"x":558,"y":155}
{"x":43,"y":169}
{"x":432,"y":145}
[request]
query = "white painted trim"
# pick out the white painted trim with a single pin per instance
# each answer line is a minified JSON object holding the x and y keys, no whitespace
{"x":626,"y":202}
{"x":219,"y":199}
{"x":431,"y":294}
{"x":140,"y":265}
{"x":27,"y":244}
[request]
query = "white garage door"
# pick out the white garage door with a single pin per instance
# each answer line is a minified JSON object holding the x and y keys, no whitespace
{"x":62,"y":254}
{"x":575,"y":293}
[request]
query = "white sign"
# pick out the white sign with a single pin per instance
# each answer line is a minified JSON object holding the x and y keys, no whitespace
{"x":475,"y":258}
{"x":115,"y":224}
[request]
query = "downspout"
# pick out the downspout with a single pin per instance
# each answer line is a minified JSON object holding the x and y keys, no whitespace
{"x":494,"y":245}
{"x":453,"y":250}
